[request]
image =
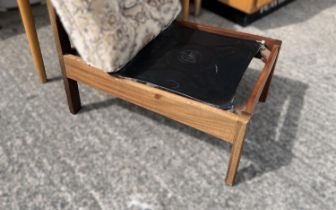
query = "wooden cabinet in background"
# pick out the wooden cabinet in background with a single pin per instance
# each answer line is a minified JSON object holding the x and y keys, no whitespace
{"x":243,"y":12}
{"x":247,"y":6}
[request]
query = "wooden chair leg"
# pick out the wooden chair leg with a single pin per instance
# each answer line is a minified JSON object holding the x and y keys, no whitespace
{"x":265,"y":91}
{"x":186,"y":6}
{"x":63,"y":46}
{"x":29,"y":25}
{"x":72,"y":93}
{"x":236,"y":153}
{"x":198,"y":6}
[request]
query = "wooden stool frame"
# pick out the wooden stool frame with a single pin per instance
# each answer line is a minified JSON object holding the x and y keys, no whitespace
{"x":226,"y":125}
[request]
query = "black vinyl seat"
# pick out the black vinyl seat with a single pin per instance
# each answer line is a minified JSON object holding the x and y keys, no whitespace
{"x":196,"y":64}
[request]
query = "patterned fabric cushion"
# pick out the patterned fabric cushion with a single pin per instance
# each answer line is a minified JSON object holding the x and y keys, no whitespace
{"x":108,"y":33}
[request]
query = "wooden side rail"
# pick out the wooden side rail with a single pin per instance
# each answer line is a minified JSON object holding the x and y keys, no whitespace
{"x":269,"y":42}
{"x":214,"y":121}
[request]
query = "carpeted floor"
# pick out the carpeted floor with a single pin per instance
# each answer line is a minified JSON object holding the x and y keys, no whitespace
{"x":114,"y":155}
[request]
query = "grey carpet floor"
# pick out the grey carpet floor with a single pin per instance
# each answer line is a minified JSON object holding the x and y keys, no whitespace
{"x":114,"y":155}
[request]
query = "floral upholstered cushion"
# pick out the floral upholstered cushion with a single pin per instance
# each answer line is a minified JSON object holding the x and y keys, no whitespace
{"x":108,"y":33}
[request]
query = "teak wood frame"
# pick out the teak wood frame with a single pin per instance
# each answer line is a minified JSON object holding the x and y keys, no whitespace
{"x":226,"y":125}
